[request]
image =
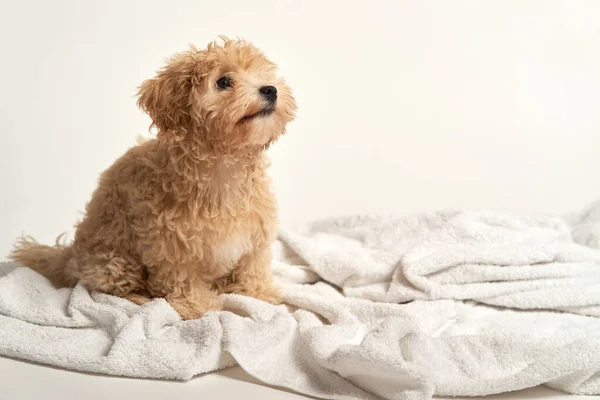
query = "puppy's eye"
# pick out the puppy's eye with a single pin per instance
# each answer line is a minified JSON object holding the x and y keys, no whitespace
{"x":224,"y":82}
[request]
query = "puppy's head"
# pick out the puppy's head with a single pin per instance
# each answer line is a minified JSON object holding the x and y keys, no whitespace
{"x":228,"y":97}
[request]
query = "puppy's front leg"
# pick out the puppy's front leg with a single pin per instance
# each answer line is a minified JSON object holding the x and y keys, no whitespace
{"x":195,"y":304}
{"x":253,"y":277}
{"x":191,"y":298}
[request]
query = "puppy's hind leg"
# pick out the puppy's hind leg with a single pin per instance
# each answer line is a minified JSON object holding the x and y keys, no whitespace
{"x":112,"y":275}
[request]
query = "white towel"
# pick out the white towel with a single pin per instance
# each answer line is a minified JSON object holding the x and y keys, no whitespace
{"x":523,"y":263}
{"x":496,"y":303}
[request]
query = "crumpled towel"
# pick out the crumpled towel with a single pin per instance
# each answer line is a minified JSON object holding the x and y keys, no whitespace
{"x":496,"y":303}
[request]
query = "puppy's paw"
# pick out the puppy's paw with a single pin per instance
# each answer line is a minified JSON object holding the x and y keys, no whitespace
{"x":190,"y":314}
{"x":138,"y":299}
{"x":194,"y":309}
{"x":270,"y":295}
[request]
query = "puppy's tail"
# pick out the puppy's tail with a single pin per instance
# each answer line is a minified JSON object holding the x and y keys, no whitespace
{"x":50,"y":261}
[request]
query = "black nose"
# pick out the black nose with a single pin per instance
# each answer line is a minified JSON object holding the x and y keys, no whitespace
{"x":269,"y":93}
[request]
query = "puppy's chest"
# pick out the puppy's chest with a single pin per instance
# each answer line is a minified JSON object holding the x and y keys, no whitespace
{"x":226,"y":250}
{"x":232,"y":220}
{"x":225,"y":242}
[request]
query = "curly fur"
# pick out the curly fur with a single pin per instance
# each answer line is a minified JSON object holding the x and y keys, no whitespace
{"x":189,"y":214}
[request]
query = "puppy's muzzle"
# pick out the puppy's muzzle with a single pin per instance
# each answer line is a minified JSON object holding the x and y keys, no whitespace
{"x":269,"y":93}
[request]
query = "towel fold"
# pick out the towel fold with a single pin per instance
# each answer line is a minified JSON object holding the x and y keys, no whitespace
{"x":447,"y":303}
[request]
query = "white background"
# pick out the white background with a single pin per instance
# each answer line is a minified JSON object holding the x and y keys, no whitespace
{"x":405,"y":106}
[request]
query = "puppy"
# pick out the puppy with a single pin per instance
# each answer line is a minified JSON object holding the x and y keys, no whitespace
{"x":190,"y":214}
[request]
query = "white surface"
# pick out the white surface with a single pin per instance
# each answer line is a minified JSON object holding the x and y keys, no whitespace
{"x":52,"y":383}
{"x":404,"y":106}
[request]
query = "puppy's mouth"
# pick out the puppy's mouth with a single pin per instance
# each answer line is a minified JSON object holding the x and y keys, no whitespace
{"x":265,"y":112}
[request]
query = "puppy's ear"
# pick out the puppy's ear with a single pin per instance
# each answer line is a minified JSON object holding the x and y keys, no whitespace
{"x":167,"y":97}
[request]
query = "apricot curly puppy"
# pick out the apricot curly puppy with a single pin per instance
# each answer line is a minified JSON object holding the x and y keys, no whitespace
{"x":190,"y":214}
